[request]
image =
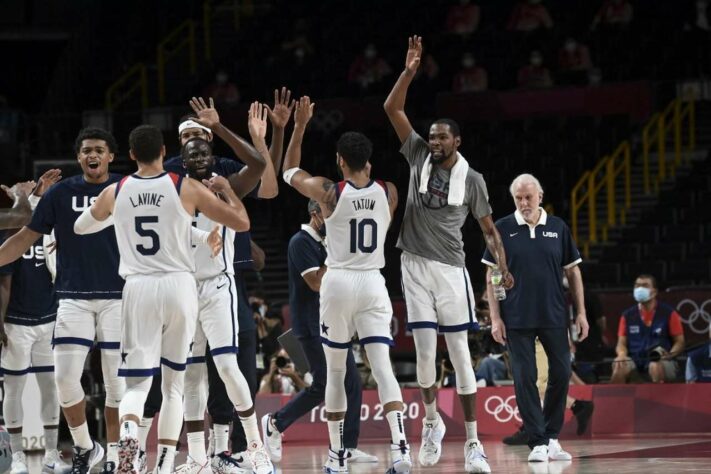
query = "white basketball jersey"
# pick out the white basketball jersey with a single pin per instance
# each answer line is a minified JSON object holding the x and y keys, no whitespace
{"x":152,"y":226}
{"x":207,"y":266}
{"x":355,"y":231}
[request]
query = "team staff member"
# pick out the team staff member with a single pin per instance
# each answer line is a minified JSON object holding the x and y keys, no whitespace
{"x":539,"y":250}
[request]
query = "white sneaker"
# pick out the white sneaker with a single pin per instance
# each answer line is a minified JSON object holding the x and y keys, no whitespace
{"x":128,"y":451}
{"x":142,"y":462}
{"x":19,"y":463}
{"x":355,"y":455}
{"x":224,"y":463}
{"x":261,"y":464}
{"x":53,"y":463}
{"x":556,"y":453}
{"x":242,"y":460}
{"x":474,"y":457}
{"x":538,"y":454}
{"x":336,"y":462}
{"x":400,"y":456}
{"x":194,"y":467}
{"x":431,"y":448}
{"x":272,"y":438}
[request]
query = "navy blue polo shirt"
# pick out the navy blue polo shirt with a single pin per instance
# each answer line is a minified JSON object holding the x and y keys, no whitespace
{"x":306,"y":254}
{"x":536,"y":257}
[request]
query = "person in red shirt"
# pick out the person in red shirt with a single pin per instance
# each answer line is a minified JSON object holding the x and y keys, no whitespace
{"x":471,"y":78}
{"x":463,"y":19}
{"x":534,"y":75}
{"x":613,"y":14}
{"x":529,"y":16}
{"x":650,"y":335}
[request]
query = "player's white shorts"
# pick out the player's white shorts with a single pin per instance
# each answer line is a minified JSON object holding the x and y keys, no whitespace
{"x":217,"y":318}
{"x":79,"y":322}
{"x":28,"y":349}
{"x":159,"y":315}
{"x":354,"y":301}
{"x":437,"y":295}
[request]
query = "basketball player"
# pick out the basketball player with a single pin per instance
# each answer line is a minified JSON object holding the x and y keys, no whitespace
{"x":443,"y":191}
{"x":26,"y":335}
{"x":21,"y":212}
{"x":89,"y":293}
{"x":357,"y":213}
{"x":152,"y":211}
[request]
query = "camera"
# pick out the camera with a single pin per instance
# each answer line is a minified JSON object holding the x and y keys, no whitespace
{"x":656,"y":353}
{"x":282,"y":362}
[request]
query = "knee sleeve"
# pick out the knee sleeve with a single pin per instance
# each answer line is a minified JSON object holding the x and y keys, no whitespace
{"x":12,"y":405}
{"x":235,"y":383}
{"x":336,"y":400}
{"x":195,"y":400}
{"x":48,"y":397}
{"x":426,"y":349}
{"x":170,"y":420}
{"x":68,"y":367}
{"x":458,"y":348}
{"x":380,"y":365}
{"x":135,"y":396}
{"x":114,"y":385}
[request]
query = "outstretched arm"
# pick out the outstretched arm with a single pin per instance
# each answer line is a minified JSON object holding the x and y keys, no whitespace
{"x":257,"y":125}
{"x":279,"y":117}
{"x":21,"y":212}
{"x":395,"y":103}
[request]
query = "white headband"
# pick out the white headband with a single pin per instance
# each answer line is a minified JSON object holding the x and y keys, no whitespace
{"x":191,"y":124}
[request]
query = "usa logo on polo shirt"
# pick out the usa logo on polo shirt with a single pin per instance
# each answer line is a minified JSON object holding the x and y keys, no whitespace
{"x":553,"y":235}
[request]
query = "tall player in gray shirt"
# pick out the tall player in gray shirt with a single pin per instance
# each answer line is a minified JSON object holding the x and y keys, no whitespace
{"x":443,"y":191}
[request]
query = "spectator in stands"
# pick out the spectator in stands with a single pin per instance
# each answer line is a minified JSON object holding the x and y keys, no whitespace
{"x":223,"y":91}
{"x":282,"y":376}
{"x":270,"y":326}
{"x":614,"y":14}
{"x":698,"y":364}
{"x":573,"y":62}
{"x":529,"y":15}
{"x":299,"y":39}
{"x":650,"y":335}
{"x":470,"y":78}
{"x":463,"y":19}
{"x":534,"y":75}
{"x":368,"y":70}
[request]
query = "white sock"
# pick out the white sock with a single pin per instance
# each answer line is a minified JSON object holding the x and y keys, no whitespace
{"x":143,"y":429}
{"x":335,"y":435}
{"x":470,"y":428}
{"x":397,"y":428}
{"x":129,"y":429}
{"x":112,"y":452}
{"x":50,"y":438}
{"x":196,"y":447}
{"x":16,"y":442}
{"x":80,"y":435}
{"x":251,"y":431}
{"x":222,"y":438}
{"x":431,"y":410}
{"x":166,"y":456}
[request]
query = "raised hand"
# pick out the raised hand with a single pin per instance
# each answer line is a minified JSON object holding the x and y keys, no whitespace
{"x":207,"y":116}
{"x":217,"y":184}
{"x":257,"y":121}
{"x":214,"y":240}
{"x":283,"y":105}
{"x":414,"y":53}
{"x":304,"y":111}
{"x":46,"y":181}
{"x":18,"y":190}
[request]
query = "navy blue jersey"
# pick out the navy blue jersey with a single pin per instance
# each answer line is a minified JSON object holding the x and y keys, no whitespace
{"x":305,"y":254}
{"x":32,"y":297}
{"x":87,"y":265}
{"x":222,"y":167}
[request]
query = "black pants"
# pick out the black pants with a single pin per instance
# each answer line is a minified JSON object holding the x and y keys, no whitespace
{"x":313,"y":396}
{"x":540,"y":424}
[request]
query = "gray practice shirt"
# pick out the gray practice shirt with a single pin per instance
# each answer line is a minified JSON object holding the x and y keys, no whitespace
{"x":431,"y":228}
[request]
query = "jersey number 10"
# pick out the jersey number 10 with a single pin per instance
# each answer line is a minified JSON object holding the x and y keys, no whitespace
{"x":141,"y":221}
{"x":358,"y":232}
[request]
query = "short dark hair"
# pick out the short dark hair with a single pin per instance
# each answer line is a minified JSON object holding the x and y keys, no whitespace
{"x":194,"y":139}
{"x":355,"y":148}
{"x":186,"y":117}
{"x":649,"y":277}
{"x":313,"y":206}
{"x":146,"y":142}
{"x":95,"y":133}
{"x":453,"y":126}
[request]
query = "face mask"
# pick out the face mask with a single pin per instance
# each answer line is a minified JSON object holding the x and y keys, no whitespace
{"x":570,"y":46}
{"x":467,"y":62}
{"x":642,"y":294}
{"x":299,"y":53}
{"x":370,"y":53}
{"x":536,"y":60}
{"x":221,"y":78}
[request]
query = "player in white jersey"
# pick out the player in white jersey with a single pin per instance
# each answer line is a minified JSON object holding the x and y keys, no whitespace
{"x":354,"y":298}
{"x":153,"y":211}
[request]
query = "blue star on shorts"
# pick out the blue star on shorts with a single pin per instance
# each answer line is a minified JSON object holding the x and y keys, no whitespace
{"x":324,"y":328}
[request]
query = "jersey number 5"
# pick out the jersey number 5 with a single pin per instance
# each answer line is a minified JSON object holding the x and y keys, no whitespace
{"x":358,"y":232}
{"x":141,"y":221}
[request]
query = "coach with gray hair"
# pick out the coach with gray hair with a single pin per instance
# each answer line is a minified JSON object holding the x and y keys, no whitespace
{"x":539,"y":251}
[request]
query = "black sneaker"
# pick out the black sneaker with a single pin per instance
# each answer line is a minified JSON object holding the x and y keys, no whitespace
{"x":84,"y":459}
{"x":583,"y":410}
{"x":109,"y":467}
{"x":519,"y":438}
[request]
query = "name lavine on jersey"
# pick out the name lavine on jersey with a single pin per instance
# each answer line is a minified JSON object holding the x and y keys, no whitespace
{"x":363,"y":203}
{"x":146,"y":199}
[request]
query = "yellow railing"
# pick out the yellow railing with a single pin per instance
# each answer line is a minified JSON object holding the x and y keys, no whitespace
{"x":181,"y":37}
{"x":133,"y":80}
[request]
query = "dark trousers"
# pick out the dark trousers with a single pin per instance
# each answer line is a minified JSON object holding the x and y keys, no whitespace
{"x":304,"y":401}
{"x":540,"y":424}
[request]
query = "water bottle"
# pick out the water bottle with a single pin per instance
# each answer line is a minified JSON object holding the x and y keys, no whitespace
{"x":497,"y":280}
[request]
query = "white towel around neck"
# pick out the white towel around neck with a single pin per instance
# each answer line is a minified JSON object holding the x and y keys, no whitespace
{"x":457,"y":179}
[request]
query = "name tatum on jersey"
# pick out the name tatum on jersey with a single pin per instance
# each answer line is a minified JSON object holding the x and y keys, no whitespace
{"x":363,"y":203}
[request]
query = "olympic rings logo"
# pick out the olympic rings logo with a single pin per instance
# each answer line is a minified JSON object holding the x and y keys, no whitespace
{"x":695,"y":314}
{"x":502,"y":410}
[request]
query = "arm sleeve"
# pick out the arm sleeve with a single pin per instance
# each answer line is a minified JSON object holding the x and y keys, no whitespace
{"x":675,"y":327}
{"x":415,"y":149}
{"x":302,"y":257}
{"x":622,"y":327}
{"x":479,"y":202}
{"x":571,"y":254}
